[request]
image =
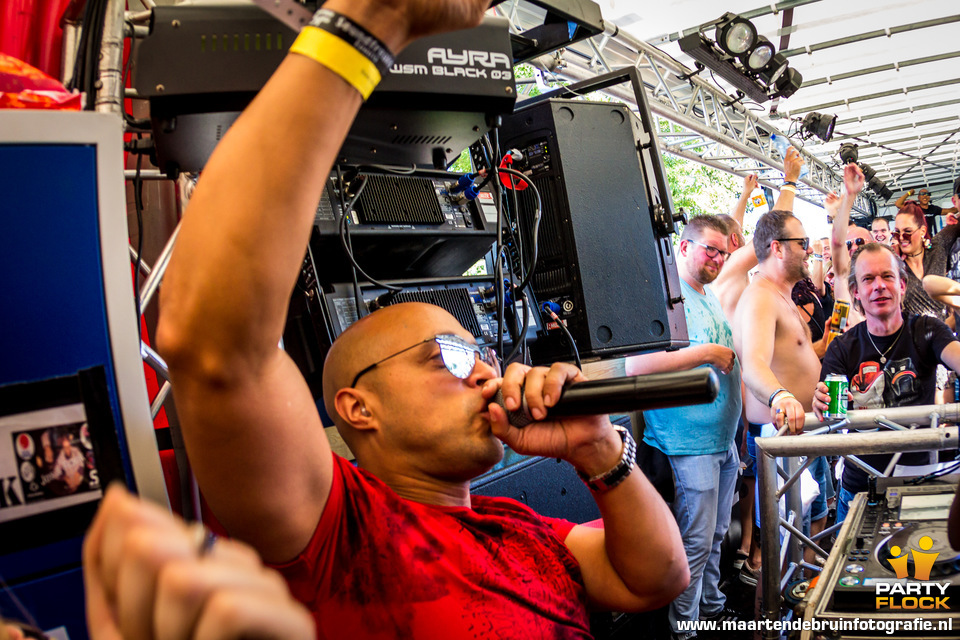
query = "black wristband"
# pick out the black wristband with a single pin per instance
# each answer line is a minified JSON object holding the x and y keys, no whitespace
{"x":774,"y":395}
{"x":356,"y":36}
{"x":790,"y":182}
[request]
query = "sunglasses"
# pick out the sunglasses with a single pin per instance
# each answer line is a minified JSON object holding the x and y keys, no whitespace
{"x":458,"y":355}
{"x":712,"y":252}
{"x":859,"y":242}
{"x":804,"y":242}
{"x":906,"y":233}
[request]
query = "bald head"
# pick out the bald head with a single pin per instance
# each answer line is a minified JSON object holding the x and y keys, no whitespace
{"x":853,"y":234}
{"x":376,"y":336}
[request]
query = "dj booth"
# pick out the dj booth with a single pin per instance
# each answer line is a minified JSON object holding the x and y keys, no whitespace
{"x":892,"y":563}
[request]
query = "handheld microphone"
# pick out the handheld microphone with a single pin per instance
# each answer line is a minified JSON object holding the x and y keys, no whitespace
{"x":621,"y":395}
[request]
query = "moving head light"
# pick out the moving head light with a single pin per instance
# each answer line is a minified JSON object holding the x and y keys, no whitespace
{"x":849,"y":153}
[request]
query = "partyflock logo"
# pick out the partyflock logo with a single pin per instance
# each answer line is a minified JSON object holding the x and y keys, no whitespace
{"x":913,"y":595}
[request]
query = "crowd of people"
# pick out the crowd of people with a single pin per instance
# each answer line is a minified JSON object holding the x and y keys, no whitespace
{"x":396,"y":545}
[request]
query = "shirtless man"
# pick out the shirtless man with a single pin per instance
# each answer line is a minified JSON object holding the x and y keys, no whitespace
{"x":733,"y":279}
{"x":728,"y":287}
{"x":772,"y":340}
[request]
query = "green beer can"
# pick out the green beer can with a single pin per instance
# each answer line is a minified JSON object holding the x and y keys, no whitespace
{"x":837,"y":388}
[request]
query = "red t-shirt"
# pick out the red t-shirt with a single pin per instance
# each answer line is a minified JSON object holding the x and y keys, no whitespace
{"x":380,"y":566}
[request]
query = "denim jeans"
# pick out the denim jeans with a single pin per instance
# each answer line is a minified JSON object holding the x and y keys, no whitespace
{"x":704,"y":487}
{"x":843,"y":503}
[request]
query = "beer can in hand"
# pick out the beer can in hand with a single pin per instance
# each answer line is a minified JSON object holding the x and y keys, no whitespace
{"x":838,"y":321}
{"x":837,"y":388}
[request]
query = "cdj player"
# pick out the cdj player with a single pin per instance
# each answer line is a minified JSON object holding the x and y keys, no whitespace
{"x":892,"y":561}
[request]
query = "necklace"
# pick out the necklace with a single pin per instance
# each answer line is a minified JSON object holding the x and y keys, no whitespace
{"x":883,"y":356}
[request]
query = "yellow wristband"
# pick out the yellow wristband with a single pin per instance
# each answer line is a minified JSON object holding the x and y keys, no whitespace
{"x":789,"y":187}
{"x":338,"y":56}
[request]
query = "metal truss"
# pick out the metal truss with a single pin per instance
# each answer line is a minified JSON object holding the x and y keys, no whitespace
{"x":702,"y":123}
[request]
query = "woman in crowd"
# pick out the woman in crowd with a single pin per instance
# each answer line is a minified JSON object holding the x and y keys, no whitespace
{"x":922,"y":260}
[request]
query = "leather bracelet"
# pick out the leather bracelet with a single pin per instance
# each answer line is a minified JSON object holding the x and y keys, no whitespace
{"x":603,"y":482}
{"x":774,"y":395}
{"x":790,"y":182}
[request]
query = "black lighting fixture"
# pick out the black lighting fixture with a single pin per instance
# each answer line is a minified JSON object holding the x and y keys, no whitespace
{"x":868,"y":171}
{"x":819,"y":124}
{"x":849,"y":153}
{"x":759,"y":56}
{"x":735,"y":35}
{"x":879,"y":187}
{"x":743,"y":58}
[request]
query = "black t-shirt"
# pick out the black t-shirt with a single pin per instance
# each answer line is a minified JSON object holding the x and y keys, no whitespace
{"x":907,"y":378}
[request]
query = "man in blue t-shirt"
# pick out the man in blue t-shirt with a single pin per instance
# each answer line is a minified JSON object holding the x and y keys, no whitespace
{"x":698,"y":439}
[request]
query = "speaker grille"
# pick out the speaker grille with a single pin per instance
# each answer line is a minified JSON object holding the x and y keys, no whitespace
{"x":457,"y":301}
{"x":398,"y":200}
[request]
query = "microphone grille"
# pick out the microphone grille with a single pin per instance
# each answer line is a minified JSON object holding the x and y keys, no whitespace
{"x":517,"y":418}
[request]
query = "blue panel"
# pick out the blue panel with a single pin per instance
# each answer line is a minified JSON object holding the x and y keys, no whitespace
{"x":52,"y":323}
{"x":53,"y":602}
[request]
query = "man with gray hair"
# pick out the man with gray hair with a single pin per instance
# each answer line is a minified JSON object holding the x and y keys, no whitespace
{"x":890,"y":358}
{"x":699,"y":440}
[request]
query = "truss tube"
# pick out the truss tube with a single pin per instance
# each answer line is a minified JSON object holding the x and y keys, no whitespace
{"x":861,"y":443}
{"x":866,"y":418}
{"x":110,"y":83}
{"x":878,"y":33}
{"x":159,"y":269}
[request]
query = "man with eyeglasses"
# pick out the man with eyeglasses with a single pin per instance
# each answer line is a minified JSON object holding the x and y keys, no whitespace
{"x":395,"y":547}
{"x":930,"y":211}
{"x":780,"y":363}
{"x":698,"y":440}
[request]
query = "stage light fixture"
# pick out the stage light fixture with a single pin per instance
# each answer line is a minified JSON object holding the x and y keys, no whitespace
{"x":735,"y":35}
{"x":819,"y":124}
{"x":849,"y":153}
{"x":787,"y":84}
{"x":868,"y":171}
{"x":774,"y":69}
{"x":743,"y":58}
{"x":758,"y":57}
{"x":879,"y":187}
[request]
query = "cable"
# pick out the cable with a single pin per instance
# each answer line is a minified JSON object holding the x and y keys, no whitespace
{"x":521,"y":343}
{"x":344,"y":233}
{"x":535,"y":233}
{"x":573,"y":345}
{"x":936,"y":474}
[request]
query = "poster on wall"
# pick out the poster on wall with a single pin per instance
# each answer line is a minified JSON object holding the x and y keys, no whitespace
{"x":58,"y":451}
{"x":47,"y":461}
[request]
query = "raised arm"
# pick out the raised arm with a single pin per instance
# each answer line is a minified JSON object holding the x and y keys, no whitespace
{"x":792,"y":165}
{"x":251,"y":428}
{"x":749,"y":184}
{"x":840,"y":208}
{"x":903,"y":199}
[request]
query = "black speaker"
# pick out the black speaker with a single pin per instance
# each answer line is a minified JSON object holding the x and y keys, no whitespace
{"x":602,"y":263}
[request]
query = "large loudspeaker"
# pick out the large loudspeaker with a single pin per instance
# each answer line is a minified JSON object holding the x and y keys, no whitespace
{"x":600,"y":258}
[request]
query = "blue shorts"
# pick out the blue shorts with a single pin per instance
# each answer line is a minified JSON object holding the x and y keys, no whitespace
{"x":821,"y":473}
{"x":753,"y":432}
